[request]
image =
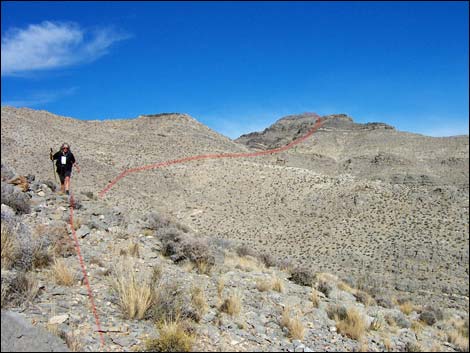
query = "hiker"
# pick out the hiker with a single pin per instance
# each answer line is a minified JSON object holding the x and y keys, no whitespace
{"x":65,"y":162}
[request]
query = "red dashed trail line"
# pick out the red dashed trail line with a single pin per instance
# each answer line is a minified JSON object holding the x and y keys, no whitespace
{"x":85,"y":276}
{"x":319,"y":122}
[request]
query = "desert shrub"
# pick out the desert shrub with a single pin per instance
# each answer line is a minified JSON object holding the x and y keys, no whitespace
{"x":398,"y":319}
{"x":384,"y":301}
{"x":428,"y":317}
{"x":414,"y":347}
{"x":364,"y":298}
{"x":303,"y":276}
{"x":245,"y":250}
{"x":337,"y":312}
{"x":324,"y":287}
{"x":17,"y":200}
{"x":267,"y":259}
{"x":53,"y":240}
{"x":174,"y":336}
{"x":18,"y":288}
{"x":180,"y":246}
{"x":169,"y":303}
{"x":17,"y":244}
{"x":157,"y":222}
{"x":285,"y":264}
{"x":42,"y":255}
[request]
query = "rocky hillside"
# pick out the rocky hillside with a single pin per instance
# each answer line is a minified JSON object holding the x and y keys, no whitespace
{"x":383,"y":211}
{"x":157,"y":286}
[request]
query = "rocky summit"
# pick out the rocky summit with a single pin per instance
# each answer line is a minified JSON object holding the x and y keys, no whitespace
{"x":355,"y":239}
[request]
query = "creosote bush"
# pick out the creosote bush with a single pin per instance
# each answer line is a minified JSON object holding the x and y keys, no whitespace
{"x":303,"y":276}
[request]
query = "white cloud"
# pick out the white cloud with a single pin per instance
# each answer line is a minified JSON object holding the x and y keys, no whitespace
{"x":50,"y":45}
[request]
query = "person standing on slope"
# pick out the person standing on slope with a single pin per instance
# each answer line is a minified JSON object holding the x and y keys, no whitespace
{"x":65,"y":160}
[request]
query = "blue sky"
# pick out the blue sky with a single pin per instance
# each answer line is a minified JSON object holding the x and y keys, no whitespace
{"x":239,"y":66}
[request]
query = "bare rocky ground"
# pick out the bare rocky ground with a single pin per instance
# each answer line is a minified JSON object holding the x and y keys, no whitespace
{"x":384,"y":211}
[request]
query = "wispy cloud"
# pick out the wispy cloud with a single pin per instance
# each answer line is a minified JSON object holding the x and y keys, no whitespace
{"x":51,"y":45}
{"x":40,"y":98}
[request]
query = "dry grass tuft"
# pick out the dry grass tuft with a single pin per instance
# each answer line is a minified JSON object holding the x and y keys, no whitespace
{"x":203,"y":267}
{"x":220,"y":287}
{"x":198,"y":300}
{"x":232,"y":305}
{"x":61,"y":273}
{"x":314,"y":298}
{"x":352,"y":325}
{"x":264,"y":285}
{"x":294,"y":325}
{"x":173,"y":337}
{"x":417,"y":326}
{"x":458,"y":335}
{"x":133,"y":249}
{"x":406,"y":307}
{"x":8,"y":247}
{"x":135,"y":295}
{"x":278,"y":284}
{"x":345,"y":287}
{"x":245,"y":263}
{"x":387,"y":342}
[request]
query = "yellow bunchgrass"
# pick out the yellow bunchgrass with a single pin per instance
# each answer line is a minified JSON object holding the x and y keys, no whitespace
{"x":406,"y":308}
{"x":62,"y":273}
{"x":314,"y":298}
{"x":135,"y":295}
{"x":198,"y":300}
{"x":8,"y":247}
{"x":293,"y":324}
{"x":264,"y":285}
{"x":232,"y":304}
{"x":353,"y":325}
{"x":173,"y":337}
{"x":278,"y":284}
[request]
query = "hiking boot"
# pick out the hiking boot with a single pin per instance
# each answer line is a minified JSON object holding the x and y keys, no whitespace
{"x":67,"y":192}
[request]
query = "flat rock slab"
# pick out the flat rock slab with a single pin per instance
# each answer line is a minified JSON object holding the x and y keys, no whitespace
{"x":19,"y":335}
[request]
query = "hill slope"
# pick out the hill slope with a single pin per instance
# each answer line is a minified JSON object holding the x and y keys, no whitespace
{"x":376,"y":206}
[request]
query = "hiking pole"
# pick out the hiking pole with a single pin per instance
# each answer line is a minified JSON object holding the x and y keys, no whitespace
{"x":53,"y":170}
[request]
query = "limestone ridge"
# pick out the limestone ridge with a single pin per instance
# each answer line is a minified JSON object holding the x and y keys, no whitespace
{"x":293,"y":126}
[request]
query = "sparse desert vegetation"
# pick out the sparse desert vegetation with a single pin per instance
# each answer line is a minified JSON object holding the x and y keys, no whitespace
{"x":217,"y":247}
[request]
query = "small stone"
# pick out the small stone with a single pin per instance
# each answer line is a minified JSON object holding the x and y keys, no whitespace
{"x":59,"y":319}
{"x":332,"y":329}
{"x":83,"y":231}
